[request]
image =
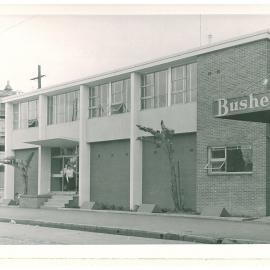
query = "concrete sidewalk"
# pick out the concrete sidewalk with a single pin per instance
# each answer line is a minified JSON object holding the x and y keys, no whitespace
{"x":176,"y":227}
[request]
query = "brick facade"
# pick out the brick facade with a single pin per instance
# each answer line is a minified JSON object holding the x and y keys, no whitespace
{"x":232,"y":72}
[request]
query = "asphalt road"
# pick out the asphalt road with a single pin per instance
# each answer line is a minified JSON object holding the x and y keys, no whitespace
{"x":16,"y":234}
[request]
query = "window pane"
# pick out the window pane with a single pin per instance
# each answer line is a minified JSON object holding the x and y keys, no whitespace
{"x":192,"y":76}
{"x":192,"y":82}
{"x":104,"y":92}
{"x":50,"y":110}
{"x":161,"y":89}
{"x":126,"y":94}
{"x":147,"y":85}
{"x":68,"y":107}
{"x":32,"y":113}
{"x":60,"y":108}
{"x":218,"y":153}
{"x":15,"y":116}
{"x":178,"y":73}
{"x":179,"y":85}
{"x":2,"y":110}
{"x":117,"y":89}
{"x":239,"y":160}
{"x":24,"y":115}
{"x":217,"y":166}
{"x":76,"y":106}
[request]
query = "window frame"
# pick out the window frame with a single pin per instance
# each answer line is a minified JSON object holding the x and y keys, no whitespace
{"x":70,"y":110}
{"x":224,"y":160}
{"x":154,"y":96}
{"x":100,"y":104}
{"x":99,"y":101}
{"x":187,"y":92}
{"x":18,"y":119}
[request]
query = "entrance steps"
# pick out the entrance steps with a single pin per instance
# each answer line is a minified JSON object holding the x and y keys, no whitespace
{"x":58,"y":200}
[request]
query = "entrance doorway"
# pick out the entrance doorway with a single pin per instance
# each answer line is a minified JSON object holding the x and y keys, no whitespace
{"x":64,"y":169}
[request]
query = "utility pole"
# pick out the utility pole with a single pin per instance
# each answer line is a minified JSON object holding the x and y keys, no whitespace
{"x":39,"y":76}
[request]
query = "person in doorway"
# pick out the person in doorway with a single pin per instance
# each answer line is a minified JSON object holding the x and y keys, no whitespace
{"x":69,"y":177}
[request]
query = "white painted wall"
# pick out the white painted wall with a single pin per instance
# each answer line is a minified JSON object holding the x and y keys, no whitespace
{"x":44,"y":170}
{"x":115,"y":127}
{"x":135,"y":145}
{"x":84,"y":149}
{"x":20,"y":136}
{"x":63,"y":130}
{"x":180,"y":117}
{"x":9,"y":170}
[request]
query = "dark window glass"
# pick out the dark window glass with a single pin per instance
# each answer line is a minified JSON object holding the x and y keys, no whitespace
{"x":239,"y":160}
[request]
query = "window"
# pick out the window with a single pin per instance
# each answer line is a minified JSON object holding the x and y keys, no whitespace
{"x":154,"y":90}
{"x":120,"y":96}
{"x":99,"y":101}
{"x":63,"y":108}
{"x":229,"y":159}
{"x":15,"y":116}
{"x":2,"y":110}
{"x":184,"y":83}
{"x":25,"y":114}
{"x":110,"y":98}
{"x":33,"y":113}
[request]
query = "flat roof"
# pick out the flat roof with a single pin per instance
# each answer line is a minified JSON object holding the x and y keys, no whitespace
{"x":73,"y":85}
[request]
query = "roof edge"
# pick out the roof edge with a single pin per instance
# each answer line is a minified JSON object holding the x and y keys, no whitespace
{"x":244,"y":39}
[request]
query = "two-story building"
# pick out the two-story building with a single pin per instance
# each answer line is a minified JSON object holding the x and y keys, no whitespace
{"x":7,"y":91}
{"x":92,"y":123}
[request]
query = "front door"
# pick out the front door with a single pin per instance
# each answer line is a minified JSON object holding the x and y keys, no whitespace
{"x":64,"y":169}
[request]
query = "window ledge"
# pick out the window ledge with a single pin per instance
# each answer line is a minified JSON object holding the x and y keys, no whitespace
{"x":230,"y":173}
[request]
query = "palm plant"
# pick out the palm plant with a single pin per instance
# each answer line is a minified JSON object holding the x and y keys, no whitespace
{"x":163,"y":139}
{"x":22,"y":165}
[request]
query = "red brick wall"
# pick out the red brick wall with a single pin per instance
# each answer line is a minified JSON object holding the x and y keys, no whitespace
{"x":229,"y":73}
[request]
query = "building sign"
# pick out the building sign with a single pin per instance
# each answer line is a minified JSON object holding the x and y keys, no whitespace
{"x":254,"y":102}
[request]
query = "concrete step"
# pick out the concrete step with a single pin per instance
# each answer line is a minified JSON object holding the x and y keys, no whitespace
{"x":53,"y":203}
{"x":50,"y":207}
{"x":58,"y":201}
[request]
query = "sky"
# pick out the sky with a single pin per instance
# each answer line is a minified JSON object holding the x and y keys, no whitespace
{"x":72,"y":47}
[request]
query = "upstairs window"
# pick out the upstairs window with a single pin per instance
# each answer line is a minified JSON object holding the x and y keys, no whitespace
{"x":63,"y":108}
{"x":184,"y":84}
{"x":110,"y":98}
{"x":2,"y":110}
{"x":154,"y":90}
{"x":99,"y":101}
{"x":120,"y":96}
{"x":25,"y":114}
{"x":229,"y":159}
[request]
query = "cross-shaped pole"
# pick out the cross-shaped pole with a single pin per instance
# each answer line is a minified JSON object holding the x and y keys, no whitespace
{"x":39,"y":76}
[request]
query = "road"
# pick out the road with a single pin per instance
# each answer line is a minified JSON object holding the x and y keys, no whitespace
{"x":16,"y":234}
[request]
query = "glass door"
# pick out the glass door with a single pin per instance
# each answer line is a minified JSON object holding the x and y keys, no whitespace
{"x":64,"y":169}
{"x":57,"y":174}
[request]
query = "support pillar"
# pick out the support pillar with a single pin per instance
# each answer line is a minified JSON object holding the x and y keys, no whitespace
{"x":84,"y":148}
{"x":44,"y":153}
{"x":135,"y":145}
{"x":9,"y":170}
{"x":44,"y":170}
{"x":42,"y":116}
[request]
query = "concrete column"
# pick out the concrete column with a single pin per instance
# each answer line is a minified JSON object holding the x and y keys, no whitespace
{"x":44,"y":154}
{"x":135,"y":145}
{"x":9,"y":170}
{"x":169,"y":86}
{"x":84,"y":148}
{"x":42,"y":115}
{"x":44,"y":170}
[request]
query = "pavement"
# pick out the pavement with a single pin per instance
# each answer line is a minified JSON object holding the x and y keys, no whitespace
{"x":191,"y":228}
